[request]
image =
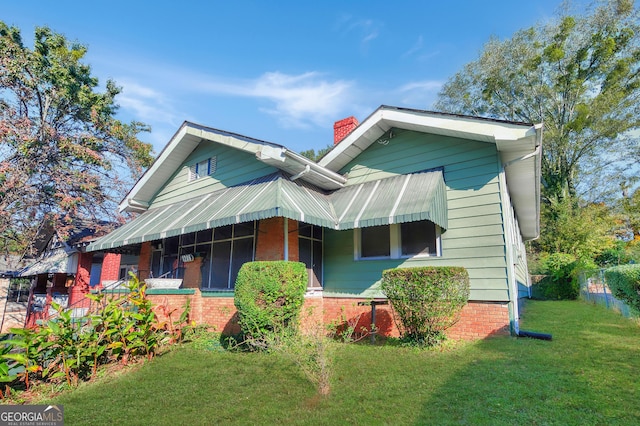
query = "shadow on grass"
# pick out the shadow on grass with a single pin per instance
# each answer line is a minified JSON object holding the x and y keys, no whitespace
{"x":586,"y":375}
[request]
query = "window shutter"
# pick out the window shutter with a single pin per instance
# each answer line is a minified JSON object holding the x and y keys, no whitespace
{"x":212,"y":165}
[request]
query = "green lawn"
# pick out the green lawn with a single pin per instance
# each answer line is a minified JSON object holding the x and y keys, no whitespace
{"x":589,"y":374}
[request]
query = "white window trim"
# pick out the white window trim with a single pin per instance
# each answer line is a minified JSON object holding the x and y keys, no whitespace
{"x":396,"y":248}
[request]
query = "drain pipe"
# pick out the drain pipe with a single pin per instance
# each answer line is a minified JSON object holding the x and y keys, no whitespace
{"x":534,"y":335}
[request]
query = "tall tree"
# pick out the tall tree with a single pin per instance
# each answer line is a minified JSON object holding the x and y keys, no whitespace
{"x":580,"y":76}
{"x":64,"y":157}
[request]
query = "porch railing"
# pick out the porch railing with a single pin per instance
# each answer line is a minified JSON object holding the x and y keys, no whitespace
{"x":83,"y":307}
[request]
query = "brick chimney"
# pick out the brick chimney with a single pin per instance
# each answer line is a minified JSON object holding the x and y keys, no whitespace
{"x":343,"y":127}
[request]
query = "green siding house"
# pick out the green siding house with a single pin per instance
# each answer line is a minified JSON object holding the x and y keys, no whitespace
{"x":403,"y":188}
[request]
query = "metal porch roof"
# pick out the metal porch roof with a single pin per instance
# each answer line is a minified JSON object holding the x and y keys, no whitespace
{"x":397,"y":199}
{"x":54,"y":262}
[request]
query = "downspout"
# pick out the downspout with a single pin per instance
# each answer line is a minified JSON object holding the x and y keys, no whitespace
{"x":516,"y":329}
{"x":514,"y":313}
{"x":332,"y":176}
{"x":304,"y":171}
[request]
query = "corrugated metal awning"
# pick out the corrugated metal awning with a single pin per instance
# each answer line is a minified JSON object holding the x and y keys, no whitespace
{"x":54,"y":262}
{"x":397,"y":199}
{"x":271,"y":196}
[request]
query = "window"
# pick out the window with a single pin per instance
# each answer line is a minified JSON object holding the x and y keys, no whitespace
{"x":18,"y":290}
{"x":310,"y":252}
{"x":375,"y":241}
{"x":421,"y":238}
{"x":418,"y":238}
{"x":203,"y":168}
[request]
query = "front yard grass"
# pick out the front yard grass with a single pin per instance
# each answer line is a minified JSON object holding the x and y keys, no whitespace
{"x":587,"y":375}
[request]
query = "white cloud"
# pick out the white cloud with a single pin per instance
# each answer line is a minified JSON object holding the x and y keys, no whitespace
{"x":297,"y":100}
{"x":145,"y":103}
{"x":420,"y":94}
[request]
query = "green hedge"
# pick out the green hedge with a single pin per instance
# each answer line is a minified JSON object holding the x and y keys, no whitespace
{"x":561,"y":281}
{"x":269,"y":296}
{"x":426,"y":300}
{"x":624,"y":282}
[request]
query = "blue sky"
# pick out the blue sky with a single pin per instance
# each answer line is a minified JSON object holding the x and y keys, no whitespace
{"x":281,"y":71}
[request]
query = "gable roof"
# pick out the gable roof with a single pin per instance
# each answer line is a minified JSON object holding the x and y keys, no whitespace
{"x":518,"y":144}
{"x":187,"y":138}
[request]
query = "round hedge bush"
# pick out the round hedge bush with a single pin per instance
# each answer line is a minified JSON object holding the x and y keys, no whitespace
{"x":426,"y":300}
{"x":269,"y":296}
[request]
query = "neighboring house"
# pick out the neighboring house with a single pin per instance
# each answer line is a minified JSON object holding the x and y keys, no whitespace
{"x":404,"y":188}
{"x":14,"y":293}
{"x":62,"y":272}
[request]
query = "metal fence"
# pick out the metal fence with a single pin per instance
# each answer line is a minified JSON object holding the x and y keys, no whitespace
{"x":594,"y":289}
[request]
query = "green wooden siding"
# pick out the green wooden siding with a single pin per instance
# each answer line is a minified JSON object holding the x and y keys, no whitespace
{"x":475,"y":237}
{"x":233,"y":167}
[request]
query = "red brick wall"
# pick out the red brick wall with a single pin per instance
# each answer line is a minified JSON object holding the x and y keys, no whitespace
{"x":192,"y":273}
{"x":144,"y":261}
{"x":270,"y":243}
{"x":81,"y":283}
{"x":348,"y":313}
{"x":270,"y":240}
{"x":110,"y":267}
{"x":343,"y":127}
{"x":294,"y":252}
{"x":479,"y":320}
{"x":218,"y":312}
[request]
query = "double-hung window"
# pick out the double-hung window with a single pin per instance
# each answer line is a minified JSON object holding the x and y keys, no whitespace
{"x":395,"y":241}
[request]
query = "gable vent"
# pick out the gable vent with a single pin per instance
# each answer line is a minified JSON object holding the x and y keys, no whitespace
{"x":202,"y":168}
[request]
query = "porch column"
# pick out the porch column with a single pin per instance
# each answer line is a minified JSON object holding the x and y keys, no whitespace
{"x":192,"y":273}
{"x":275,"y":235}
{"x":110,"y":267}
{"x":81,"y":283}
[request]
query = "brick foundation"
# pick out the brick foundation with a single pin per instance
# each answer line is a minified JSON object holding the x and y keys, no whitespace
{"x":479,"y":320}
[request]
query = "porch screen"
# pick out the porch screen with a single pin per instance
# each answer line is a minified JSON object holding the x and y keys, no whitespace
{"x":223,"y":251}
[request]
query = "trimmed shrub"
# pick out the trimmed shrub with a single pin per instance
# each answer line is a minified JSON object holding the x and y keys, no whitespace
{"x":269,"y":298}
{"x":624,"y":283}
{"x":426,"y":300}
